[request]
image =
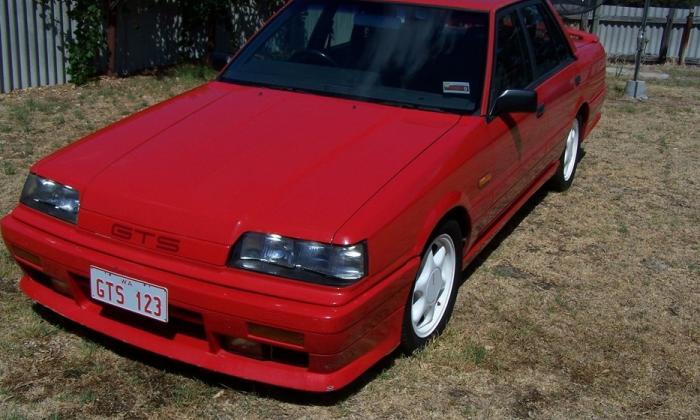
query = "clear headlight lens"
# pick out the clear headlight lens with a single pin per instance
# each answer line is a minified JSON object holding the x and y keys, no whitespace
{"x":52,"y":198}
{"x":302,"y":260}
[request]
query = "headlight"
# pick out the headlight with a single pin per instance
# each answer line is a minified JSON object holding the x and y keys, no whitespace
{"x":52,"y":198}
{"x":302,"y":260}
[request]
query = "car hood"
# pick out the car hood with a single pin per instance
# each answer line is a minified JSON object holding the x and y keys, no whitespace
{"x":224,"y":159}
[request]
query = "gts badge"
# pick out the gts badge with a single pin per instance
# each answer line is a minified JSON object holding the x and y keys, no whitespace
{"x":145,"y":238}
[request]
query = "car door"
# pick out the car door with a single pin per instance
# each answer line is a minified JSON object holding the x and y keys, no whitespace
{"x":514,"y":135}
{"x":555,"y":79}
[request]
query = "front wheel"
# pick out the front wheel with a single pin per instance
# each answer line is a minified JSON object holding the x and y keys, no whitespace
{"x":568,"y":161}
{"x":434,"y":291}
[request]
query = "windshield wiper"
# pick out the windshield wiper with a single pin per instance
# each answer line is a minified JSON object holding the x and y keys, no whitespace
{"x":328,"y":90}
{"x":410,"y":106}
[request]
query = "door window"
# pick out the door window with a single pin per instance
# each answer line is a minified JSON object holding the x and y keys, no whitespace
{"x":548,"y":45}
{"x":512,"y":65}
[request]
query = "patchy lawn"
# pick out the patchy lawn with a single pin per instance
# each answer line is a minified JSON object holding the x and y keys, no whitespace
{"x":587,"y":305}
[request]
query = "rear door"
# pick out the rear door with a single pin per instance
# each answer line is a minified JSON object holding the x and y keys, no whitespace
{"x":555,"y":79}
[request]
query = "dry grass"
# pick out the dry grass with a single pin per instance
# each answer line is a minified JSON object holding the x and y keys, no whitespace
{"x":588,"y":305}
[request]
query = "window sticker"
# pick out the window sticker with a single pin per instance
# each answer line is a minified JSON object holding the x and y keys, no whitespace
{"x":459,"y":88}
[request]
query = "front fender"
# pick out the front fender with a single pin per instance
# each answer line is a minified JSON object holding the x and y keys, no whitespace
{"x":450,"y":202}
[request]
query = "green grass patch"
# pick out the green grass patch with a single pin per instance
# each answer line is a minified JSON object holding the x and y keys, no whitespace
{"x":623,"y":228}
{"x":192,"y":73}
{"x":87,"y":397}
{"x":21,"y":114}
{"x":629,"y":109}
{"x":13,"y":413}
{"x":475,"y":353}
{"x":79,"y":114}
{"x":8,"y":168}
{"x":40,"y":105}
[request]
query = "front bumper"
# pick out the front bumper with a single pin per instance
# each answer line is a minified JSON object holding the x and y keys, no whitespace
{"x":332,"y":344}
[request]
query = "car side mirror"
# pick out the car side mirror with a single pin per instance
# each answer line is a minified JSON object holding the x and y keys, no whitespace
{"x":515,"y":100}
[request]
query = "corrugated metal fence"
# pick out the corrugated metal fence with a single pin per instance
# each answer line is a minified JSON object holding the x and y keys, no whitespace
{"x":32,"y":43}
{"x":619,"y":28}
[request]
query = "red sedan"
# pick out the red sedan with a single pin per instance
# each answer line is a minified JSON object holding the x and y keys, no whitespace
{"x":311,"y":210}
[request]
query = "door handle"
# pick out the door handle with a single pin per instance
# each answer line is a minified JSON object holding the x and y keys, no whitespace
{"x":540,"y":110}
{"x":577,"y":80}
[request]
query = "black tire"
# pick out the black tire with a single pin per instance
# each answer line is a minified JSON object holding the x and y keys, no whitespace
{"x":410,"y":340}
{"x":560,"y":181}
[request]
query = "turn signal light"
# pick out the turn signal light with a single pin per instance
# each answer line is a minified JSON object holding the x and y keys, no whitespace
{"x":27,"y":256}
{"x":276,"y":334}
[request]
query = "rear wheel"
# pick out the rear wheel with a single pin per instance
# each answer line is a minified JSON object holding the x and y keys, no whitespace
{"x":434,"y":291}
{"x":568,"y":161}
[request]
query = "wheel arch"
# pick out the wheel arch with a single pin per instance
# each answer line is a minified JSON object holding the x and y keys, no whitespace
{"x":450,"y":208}
{"x":583,"y":112}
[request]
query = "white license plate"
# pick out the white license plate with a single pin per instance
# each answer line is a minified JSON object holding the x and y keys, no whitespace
{"x":133,"y":295}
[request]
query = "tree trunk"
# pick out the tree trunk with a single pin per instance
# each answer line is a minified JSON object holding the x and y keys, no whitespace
{"x":596,"y":17}
{"x":110,"y":8}
{"x":666,"y":36}
{"x":686,"y":37}
{"x":583,"y":23}
{"x":211,"y":38}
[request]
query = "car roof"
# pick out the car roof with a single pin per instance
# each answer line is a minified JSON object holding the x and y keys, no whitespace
{"x":481,"y":5}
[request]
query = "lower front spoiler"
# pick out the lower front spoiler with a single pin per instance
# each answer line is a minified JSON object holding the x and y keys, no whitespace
{"x":200,"y":354}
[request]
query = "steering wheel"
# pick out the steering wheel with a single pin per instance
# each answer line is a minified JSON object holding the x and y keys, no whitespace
{"x":312,"y":56}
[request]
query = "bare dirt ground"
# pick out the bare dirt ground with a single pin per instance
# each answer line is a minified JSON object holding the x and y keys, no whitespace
{"x":588,"y":305}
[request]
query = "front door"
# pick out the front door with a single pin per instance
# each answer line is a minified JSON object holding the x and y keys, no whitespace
{"x":515,"y":136}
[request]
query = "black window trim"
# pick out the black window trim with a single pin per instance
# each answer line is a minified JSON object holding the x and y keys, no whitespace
{"x":517,"y":7}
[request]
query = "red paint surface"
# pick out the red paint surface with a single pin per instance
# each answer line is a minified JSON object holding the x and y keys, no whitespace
{"x":183,"y":180}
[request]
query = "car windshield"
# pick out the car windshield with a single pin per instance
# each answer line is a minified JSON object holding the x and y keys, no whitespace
{"x":405,"y":55}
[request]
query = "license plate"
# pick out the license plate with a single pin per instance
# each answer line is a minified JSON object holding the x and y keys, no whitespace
{"x":133,"y":295}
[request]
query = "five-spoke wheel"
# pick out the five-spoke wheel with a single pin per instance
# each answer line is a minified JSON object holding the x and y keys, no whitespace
{"x":433,"y":293}
{"x":433,"y":285}
{"x":564,"y":176}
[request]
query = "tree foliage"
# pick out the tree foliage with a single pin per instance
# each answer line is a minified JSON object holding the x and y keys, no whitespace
{"x":201,"y":18}
{"x":88,"y":44}
{"x":199,"y":22}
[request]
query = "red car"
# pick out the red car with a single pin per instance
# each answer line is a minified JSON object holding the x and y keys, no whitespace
{"x":311,"y":210}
